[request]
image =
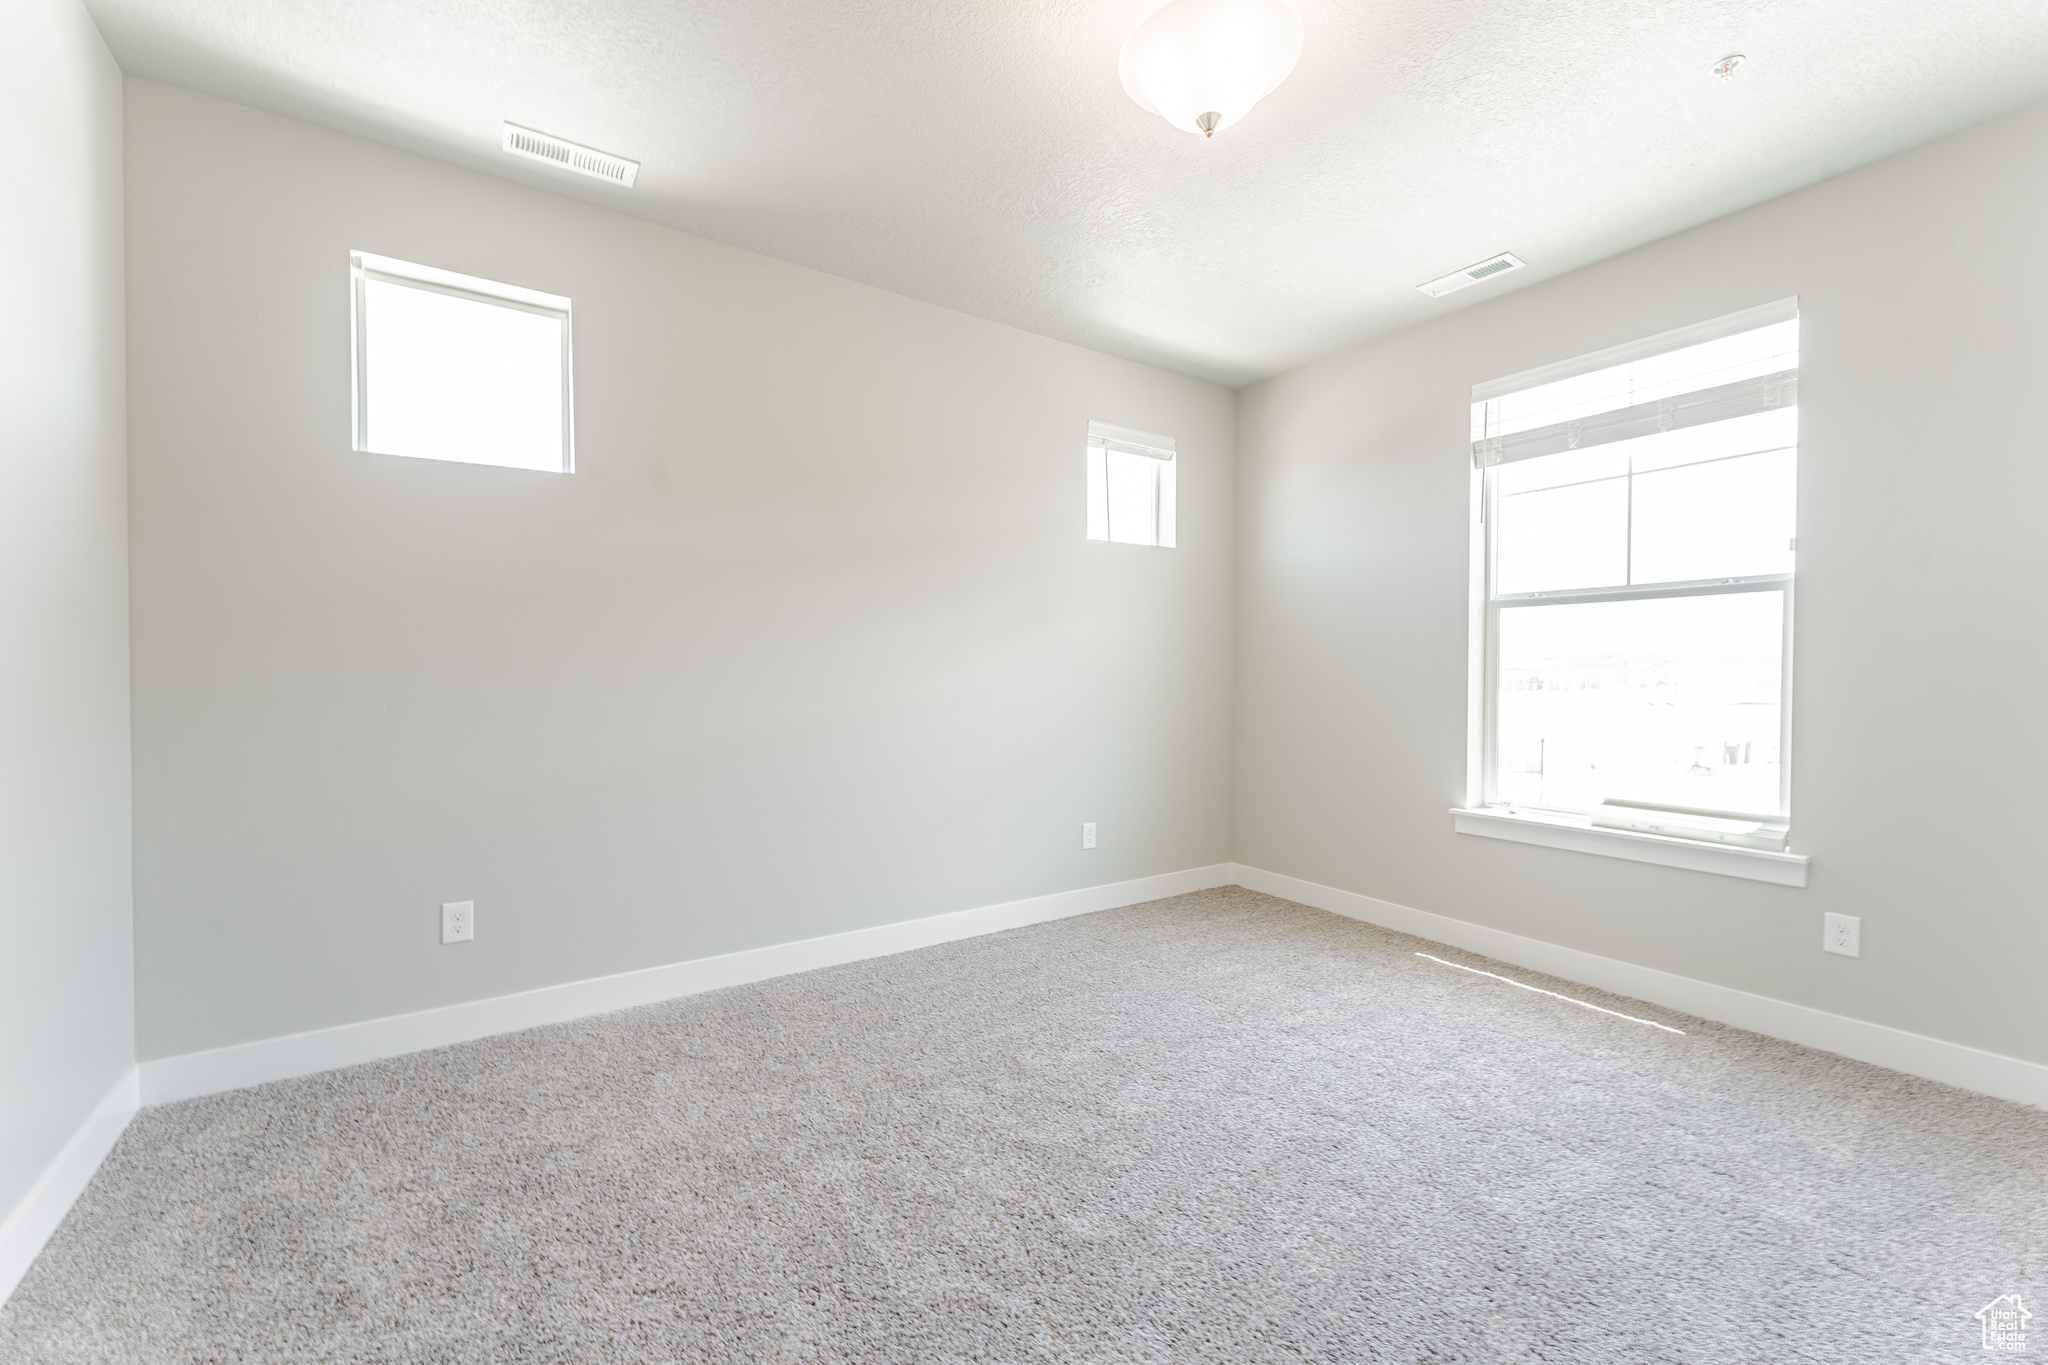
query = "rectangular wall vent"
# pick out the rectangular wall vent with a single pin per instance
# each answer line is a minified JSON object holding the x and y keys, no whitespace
{"x":570,"y":155}
{"x":1472,"y":274}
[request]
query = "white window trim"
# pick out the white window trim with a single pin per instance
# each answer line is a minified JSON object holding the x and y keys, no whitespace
{"x":1713,"y":329}
{"x":364,"y":264}
{"x":1578,"y":835}
{"x":1557,"y":829}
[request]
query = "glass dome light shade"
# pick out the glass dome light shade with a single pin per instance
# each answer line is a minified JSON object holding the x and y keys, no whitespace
{"x":1197,"y":57}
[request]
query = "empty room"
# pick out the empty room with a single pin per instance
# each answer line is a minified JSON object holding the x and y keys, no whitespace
{"x":1028,"y":681}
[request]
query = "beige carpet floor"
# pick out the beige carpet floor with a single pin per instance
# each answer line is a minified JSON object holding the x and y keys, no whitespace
{"x":1215,"y":1128}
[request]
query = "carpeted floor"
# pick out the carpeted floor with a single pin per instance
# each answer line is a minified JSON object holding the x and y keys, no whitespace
{"x":1215,"y":1128}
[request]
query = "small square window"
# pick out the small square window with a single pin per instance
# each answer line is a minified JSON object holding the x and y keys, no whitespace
{"x":1131,"y":493}
{"x":450,"y":367}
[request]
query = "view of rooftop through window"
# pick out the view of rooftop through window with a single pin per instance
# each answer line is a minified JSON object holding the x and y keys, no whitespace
{"x":1640,"y":552}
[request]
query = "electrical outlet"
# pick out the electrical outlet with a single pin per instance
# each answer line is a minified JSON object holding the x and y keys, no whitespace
{"x":1843,"y":934}
{"x":1088,"y":835}
{"x":458,"y":921}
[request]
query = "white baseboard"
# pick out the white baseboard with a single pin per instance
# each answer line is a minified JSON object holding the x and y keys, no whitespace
{"x":1968,"y":1068}
{"x":36,"y":1217}
{"x":301,"y":1054}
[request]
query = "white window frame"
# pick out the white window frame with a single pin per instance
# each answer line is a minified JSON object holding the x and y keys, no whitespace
{"x":1484,"y":813}
{"x":1104,"y":438}
{"x":365,"y":266}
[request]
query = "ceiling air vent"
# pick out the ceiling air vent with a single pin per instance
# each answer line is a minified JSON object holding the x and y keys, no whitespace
{"x":1472,"y":274}
{"x":570,"y":156}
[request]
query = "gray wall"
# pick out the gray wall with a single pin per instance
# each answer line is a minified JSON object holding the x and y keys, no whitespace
{"x":1919,"y":739}
{"x":66,"y":1017}
{"x":811,"y":641}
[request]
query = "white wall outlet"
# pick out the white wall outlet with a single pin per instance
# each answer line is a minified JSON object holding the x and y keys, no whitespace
{"x":458,"y":921}
{"x":1843,"y":934}
{"x":1088,"y":835}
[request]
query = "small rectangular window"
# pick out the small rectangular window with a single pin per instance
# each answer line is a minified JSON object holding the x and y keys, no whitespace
{"x":1131,"y":492}
{"x":1638,"y":512}
{"x":450,"y":367}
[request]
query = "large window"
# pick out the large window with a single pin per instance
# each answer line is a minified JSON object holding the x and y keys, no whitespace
{"x":1131,"y":490}
{"x":450,"y":367}
{"x":1637,"y":581}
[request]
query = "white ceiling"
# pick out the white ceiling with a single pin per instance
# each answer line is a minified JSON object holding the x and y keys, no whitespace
{"x":981,"y":154}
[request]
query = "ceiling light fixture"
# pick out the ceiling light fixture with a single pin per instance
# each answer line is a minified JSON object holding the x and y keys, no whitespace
{"x":1726,"y":66}
{"x":1202,"y":64}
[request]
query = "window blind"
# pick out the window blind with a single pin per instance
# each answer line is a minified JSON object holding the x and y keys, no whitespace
{"x":1718,"y":404}
{"x":1731,"y":368}
{"x":1130,"y":441}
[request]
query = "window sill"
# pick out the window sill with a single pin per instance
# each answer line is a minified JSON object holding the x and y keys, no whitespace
{"x":1756,"y":864}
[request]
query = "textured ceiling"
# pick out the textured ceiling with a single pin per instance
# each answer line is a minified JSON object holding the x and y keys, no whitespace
{"x":981,"y":154}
